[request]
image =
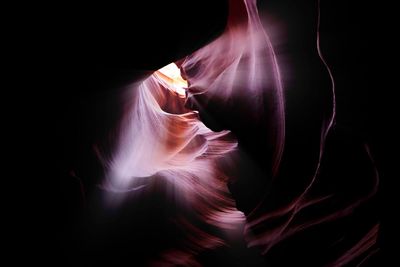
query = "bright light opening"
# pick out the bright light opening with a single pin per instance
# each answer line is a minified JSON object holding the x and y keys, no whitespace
{"x":171,"y":74}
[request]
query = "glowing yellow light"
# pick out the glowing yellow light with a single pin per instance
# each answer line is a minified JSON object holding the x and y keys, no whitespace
{"x":172,"y":76}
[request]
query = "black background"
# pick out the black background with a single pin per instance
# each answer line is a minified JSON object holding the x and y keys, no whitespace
{"x":70,"y":59}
